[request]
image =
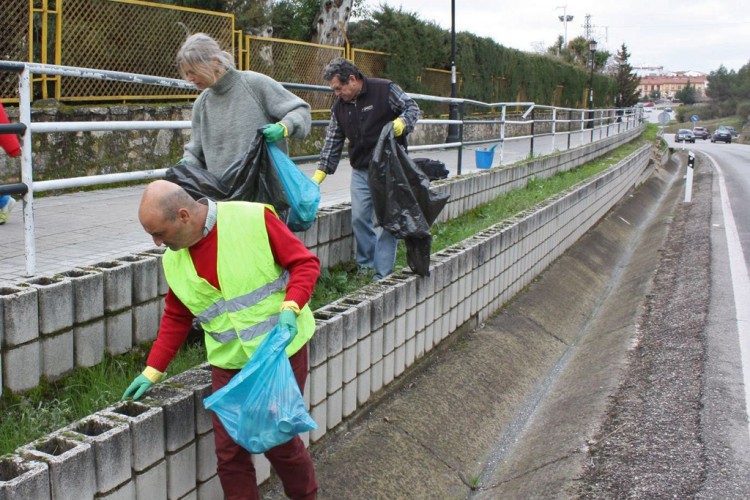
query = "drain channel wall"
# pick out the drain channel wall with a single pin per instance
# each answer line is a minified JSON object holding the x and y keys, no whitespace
{"x":163,"y":447}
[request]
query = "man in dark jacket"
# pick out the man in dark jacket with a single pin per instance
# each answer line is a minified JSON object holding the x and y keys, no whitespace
{"x":361,"y":109}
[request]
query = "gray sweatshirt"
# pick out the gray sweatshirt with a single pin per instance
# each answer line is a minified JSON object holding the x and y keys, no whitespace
{"x":227,"y":115}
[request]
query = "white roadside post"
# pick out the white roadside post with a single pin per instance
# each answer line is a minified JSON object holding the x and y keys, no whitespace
{"x":689,"y":177}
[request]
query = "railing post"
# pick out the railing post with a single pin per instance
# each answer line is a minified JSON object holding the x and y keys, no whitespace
{"x":24,"y":112}
{"x":502,"y":132}
{"x":554,"y":117}
{"x":531,"y":142}
{"x":583,"y":125}
{"x":461,"y":112}
{"x":570,"y":125}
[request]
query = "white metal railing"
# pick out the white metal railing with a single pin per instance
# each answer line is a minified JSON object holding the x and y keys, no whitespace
{"x":601,"y":120}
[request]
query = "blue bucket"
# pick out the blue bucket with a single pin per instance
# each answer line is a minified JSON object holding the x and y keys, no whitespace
{"x":484,"y":157}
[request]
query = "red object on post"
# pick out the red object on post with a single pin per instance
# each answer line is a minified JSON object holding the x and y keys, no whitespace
{"x":9,"y":142}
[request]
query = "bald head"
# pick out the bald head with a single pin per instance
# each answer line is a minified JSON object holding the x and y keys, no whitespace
{"x":171,"y":216}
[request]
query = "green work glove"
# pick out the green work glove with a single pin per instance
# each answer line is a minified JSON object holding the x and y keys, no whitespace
{"x":288,"y":319}
{"x":274,"y":132}
{"x":137,"y":387}
{"x":398,"y":127}
{"x":288,"y":316}
{"x":142,"y":383}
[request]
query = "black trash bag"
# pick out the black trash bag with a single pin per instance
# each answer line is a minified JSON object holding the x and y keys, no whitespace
{"x":433,"y":169}
{"x":251,"y":178}
{"x":404,"y":204}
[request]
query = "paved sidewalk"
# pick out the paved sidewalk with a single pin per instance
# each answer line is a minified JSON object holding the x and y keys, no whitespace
{"x":88,"y":227}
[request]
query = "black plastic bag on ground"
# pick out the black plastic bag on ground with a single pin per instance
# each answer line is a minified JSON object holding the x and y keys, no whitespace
{"x":404,"y":203}
{"x":251,"y":178}
{"x":433,"y":169}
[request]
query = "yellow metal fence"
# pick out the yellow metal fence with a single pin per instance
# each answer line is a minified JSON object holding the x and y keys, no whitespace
{"x":140,"y":37}
{"x":293,"y":62}
{"x":14,"y":40}
{"x":132,"y":37}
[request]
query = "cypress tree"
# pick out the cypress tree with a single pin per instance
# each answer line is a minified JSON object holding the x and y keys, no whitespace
{"x":626,"y":80}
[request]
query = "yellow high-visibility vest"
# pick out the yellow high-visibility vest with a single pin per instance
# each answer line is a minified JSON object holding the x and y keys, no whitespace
{"x":237,"y":317}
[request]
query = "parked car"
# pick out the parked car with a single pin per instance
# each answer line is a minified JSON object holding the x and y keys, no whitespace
{"x":668,"y":109}
{"x":701,"y":133}
{"x":722,"y":134}
{"x":684,"y":135}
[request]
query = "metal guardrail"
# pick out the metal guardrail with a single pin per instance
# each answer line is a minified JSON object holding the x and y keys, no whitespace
{"x":593,"y":119}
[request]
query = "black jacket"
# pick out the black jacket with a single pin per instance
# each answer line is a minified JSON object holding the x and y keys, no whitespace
{"x":363,"y":119}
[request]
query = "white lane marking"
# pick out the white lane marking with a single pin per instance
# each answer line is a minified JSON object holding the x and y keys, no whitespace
{"x":740,"y":283}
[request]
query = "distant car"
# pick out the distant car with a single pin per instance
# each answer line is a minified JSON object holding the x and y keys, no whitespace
{"x":722,"y":134}
{"x":701,"y":133}
{"x":684,"y":135}
{"x":668,"y":109}
{"x":731,"y":129}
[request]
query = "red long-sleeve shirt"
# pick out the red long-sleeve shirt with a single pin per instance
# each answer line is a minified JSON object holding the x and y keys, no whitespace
{"x":288,"y":251}
{"x":9,"y":142}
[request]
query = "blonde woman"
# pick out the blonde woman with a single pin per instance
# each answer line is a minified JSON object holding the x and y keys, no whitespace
{"x":233,"y":105}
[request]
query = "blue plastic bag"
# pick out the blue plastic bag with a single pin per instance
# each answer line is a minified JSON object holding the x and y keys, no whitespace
{"x":262,"y":406}
{"x":302,"y":192}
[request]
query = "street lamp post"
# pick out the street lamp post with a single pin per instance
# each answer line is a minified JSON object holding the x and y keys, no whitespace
{"x":592,"y":51}
{"x":453,"y":107}
{"x":565,"y":19}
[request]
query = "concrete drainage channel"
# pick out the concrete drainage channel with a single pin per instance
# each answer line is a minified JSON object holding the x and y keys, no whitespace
{"x":363,"y":343}
{"x":503,"y":408}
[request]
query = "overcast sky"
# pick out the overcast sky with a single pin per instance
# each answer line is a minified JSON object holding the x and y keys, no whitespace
{"x":678,"y":35}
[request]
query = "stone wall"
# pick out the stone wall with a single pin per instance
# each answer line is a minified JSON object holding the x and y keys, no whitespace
{"x":61,"y":155}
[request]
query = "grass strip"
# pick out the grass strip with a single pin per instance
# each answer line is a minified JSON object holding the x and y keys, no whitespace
{"x":53,"y":405}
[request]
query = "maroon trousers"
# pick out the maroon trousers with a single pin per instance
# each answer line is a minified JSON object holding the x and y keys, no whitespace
{"x":290,"y":460}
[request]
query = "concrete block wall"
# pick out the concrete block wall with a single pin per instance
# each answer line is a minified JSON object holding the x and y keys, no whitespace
{"x":363,"y":343}
{"x":57,"y":323}
{"x":51,"y":325}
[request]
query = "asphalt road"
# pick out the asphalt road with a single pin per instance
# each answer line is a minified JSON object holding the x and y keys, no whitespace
{"x":677,"y":426}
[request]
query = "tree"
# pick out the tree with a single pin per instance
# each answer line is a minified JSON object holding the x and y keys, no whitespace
{"x":413,"y":44}
{"x":577,"y":52}
{"x":719,"y":86}
{"x":626,"y":80}
{"x":294,"y":19}
{"x":687,"y":95}
{"x":331,"y":25}
{"x":332,"y":22}
{"x":558,"y":48}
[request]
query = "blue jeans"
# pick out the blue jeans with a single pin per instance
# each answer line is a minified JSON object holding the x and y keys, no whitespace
{"x":376,"y":249}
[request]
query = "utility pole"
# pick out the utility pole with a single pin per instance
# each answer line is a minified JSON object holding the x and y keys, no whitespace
{"x":592,"y":54}
{"x":587,"y":28}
